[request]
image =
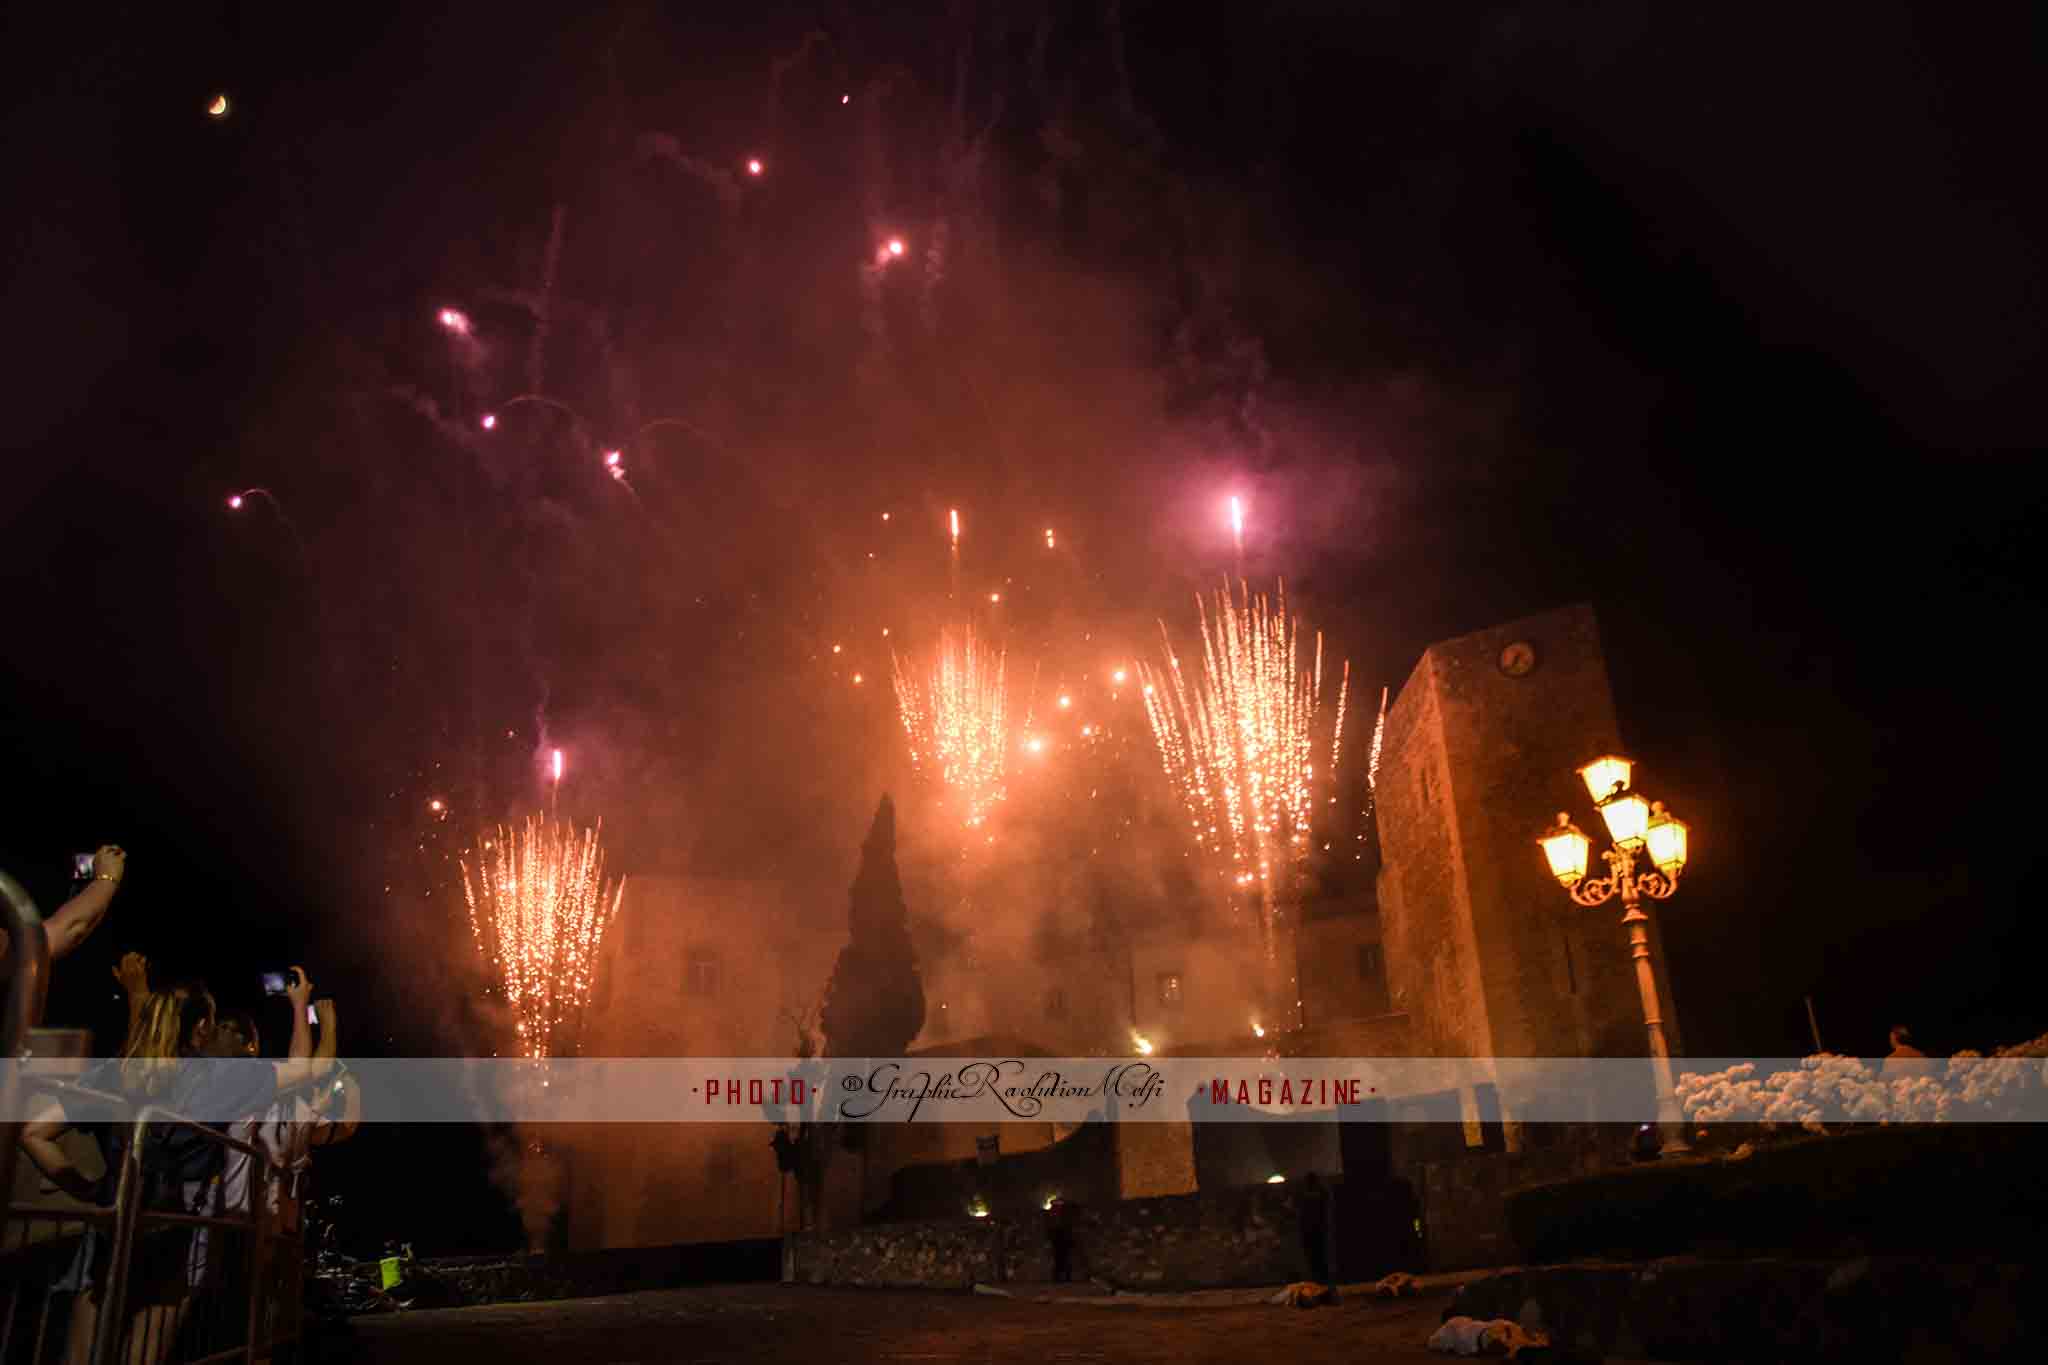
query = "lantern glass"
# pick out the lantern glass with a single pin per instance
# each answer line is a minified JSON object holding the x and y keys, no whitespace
{"x":1604,"y":774}
{"x":1666,"y":839}
{"x":1628,"y":819}
{"x":1565,"y":848}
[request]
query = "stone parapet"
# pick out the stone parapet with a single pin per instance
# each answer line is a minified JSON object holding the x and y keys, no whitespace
{"x":1210,"y":1240}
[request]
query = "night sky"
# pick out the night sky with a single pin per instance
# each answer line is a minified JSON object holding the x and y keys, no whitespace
{"x":1728,"y":323}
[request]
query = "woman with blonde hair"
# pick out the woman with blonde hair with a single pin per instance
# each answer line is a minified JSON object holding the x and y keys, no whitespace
{"x":168,"y":1031}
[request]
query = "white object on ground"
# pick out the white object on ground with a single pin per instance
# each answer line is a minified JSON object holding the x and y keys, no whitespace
{"x":1471,"y":1337}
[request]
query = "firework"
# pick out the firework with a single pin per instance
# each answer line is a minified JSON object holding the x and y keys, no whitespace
{"x":538,"y":905}
{"x":1379,"y":737}
{"x":1372,"y":762}
{"x":1238,"y":744}
{"x":957,"y":722}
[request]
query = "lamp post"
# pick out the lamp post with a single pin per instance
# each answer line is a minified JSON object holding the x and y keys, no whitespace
{"x":1640,"y":829}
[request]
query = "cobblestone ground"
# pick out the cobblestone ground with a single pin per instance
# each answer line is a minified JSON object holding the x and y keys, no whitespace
{"x":773,"y":1323}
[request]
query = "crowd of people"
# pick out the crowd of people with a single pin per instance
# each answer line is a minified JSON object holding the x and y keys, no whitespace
{"x":283,"y":1110}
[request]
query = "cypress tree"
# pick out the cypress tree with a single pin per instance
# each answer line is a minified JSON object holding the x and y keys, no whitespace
{"x":874,"y":1003}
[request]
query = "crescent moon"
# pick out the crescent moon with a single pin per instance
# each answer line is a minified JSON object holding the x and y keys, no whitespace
{"x":219,"y":106}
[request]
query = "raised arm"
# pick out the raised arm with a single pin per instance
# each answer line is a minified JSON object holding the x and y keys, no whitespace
{"x":329,"y":1038}
{"x":343,"y":1127}
{"x":133,"y":976}
{"x":302,"y":1067}
{"x":302,"y":1032}
{"x":76,"y":918}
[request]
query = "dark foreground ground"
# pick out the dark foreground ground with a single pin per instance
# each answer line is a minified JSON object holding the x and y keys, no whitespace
{"x":774,"y":1323}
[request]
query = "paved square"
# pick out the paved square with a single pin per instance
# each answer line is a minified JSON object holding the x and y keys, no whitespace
{"x":774,"y":1323}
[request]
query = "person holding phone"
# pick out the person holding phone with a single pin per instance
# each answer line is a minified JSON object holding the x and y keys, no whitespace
{"x":76,"y":918}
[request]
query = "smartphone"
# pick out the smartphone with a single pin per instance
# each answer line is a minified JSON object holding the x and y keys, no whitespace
{"x":312,"y":1015}
{"x":81,"y":867}
{"x":274,"y":983}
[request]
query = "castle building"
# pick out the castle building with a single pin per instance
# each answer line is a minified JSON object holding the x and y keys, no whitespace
{"x":1461,"y":946}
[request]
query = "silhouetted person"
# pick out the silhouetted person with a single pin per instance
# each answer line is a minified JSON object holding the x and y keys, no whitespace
{"x":1314,"y":1205}
{"x":1059,"y":1229}
{"x":1905,"y":1059}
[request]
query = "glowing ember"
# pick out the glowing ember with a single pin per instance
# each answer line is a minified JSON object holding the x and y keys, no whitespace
{"x":235,"y":502}
{"x":1142,"y":1043}
{"x":1117,"y":677}
{"x":1048,"y":538}
{"x":539,"y":909}
{"x":611,"y":458}
{"x":753,"y":166}
{"x":558,"y":765}
{"x":489,"y":422}
{"x":954,"y":515}
{"x":995,"y":597}
{"x":895,"y":246}
{"x":957,"y":721}
{"x":857,"y":680}
{"x":1257,"y":1032}
{"x":1065,"y":702}
{"x":1240,"y":747}
{"x":454,"y":321}
{"x":437,"y":805}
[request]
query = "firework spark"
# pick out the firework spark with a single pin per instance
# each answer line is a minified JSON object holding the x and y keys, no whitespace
{"x":538,"y":907}
{"x":1239,"y":744}
{"x":957,"y":721}
{"x":1372,"y":763}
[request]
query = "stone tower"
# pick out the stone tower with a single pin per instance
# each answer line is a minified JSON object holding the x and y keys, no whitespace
{"x":1484,"y":952}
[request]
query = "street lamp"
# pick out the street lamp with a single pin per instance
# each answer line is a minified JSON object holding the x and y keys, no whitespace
{"x":1639,"y":829}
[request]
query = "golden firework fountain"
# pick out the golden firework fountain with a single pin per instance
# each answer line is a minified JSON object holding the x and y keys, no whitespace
{"x":539,"y":905}
{"x":1239,"y":742}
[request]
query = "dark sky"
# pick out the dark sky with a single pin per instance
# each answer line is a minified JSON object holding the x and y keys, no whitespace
{"x":1727,"y":323}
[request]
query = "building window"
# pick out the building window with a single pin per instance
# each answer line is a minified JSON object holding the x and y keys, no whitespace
{"x":1055,"y":1003}
{"x":701,"y":974}
{"x":1169,"y":990}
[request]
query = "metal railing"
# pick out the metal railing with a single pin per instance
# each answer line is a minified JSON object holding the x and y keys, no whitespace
{"x":191,"y":1280}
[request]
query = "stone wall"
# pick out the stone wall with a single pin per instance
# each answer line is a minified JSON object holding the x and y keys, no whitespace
{"x":1464,"y":1200}
{"x":520,"y":1279}
{"x":934,"y":1254}
{"x":1224,"y":1238}
{"x":1081,"y":1167}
